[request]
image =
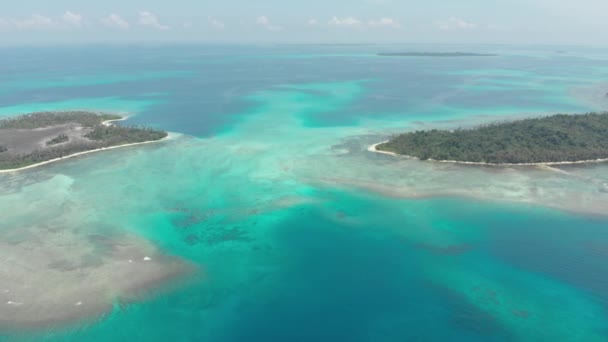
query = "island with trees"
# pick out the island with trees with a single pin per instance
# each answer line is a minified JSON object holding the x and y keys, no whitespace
{"x":37,"y":138}
{"x":556,"y":139}
{"x":435,"y":54}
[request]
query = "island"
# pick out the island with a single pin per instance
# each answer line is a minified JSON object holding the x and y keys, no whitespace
{"x":435,"y":54}
{"x":557,"y":139}
{"x":40,"y":138}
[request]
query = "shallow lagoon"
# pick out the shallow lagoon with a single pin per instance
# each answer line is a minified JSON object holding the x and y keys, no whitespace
{"x":295,"y":230}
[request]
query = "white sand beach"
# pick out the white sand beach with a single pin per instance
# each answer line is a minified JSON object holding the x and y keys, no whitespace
{"x":373,"y":148}
{"x":168,"y":137}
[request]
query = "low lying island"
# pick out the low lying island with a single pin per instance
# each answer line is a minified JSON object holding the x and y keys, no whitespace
{"x":435,"y":54}
{"x":552,"y":140}
{"x":40,"y":138}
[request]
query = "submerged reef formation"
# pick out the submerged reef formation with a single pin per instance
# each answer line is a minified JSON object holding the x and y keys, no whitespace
{"x":554,"y":139}
{"x":41,"y":137}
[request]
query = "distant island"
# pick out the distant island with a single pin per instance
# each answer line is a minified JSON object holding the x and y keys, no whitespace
{"x":39,"y":138}
{"x":434,"y":54}
{"x":558,"y":139}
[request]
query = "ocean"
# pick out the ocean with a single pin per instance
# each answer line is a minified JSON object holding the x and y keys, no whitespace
{"x":295,"y":231}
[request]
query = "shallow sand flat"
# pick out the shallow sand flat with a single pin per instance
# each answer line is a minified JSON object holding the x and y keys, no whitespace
{"x":60,"y":263}
{"x":577,"y":188}
{"x":49,"y":277}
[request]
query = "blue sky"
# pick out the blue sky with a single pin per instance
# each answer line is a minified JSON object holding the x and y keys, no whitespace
{"x":325,"y":21}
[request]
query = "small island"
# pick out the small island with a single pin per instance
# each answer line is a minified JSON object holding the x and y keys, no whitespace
{"x":558,"y":139}
{"x":40,"y":138}
{"x":435,"y":54}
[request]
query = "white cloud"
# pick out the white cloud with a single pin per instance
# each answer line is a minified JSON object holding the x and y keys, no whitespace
{"x":345,"y":22}
{"x":71,"y":18}
{"x":150,"y":20}
{"x":263,"y":20}
{"x":35,"y":22}
{"x":352,"y":22}
{"x":385,"y":22}
{"x":115,"y":21}
{"x":455,"y":23}
{"x":265,"y":23}
{"x":216,"y":24}
{"x":6,"y":24}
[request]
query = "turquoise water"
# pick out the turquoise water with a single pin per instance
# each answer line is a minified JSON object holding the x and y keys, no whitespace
{"x":297,"y":232}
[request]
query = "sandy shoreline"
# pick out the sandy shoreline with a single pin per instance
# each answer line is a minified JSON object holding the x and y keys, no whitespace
{"x":109,"y":122}
{"x":168,"y":137}
{"x":372,"y":148}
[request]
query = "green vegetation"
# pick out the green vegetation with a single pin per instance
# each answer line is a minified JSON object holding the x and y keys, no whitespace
{"x":557,"y":138}
{"x":117,"y":135}
{"x":434,"y":54}
{"x":61,"y":138}
{"x":95,"y":135}
{"x":47,"y":119}
{"x":15,"y":161}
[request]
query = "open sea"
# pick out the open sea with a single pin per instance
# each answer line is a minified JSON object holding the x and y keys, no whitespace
{"x":297,"y":232}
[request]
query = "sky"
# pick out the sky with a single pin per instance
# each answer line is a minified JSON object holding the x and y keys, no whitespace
{"x":31,"y":22}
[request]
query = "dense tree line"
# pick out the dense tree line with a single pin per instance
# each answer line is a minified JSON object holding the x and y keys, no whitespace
{"x":3,"y":148}
{"x":549,"y":139}
{"x":47,"y":119}
{"x":118,"y":135}
{"x":14,"y":161}
{"x":61,"y":138}
{"x":99,"y":136}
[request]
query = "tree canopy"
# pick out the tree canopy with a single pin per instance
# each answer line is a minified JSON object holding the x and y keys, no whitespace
{"x":46,"y":119}
{"x":557,"y":138}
